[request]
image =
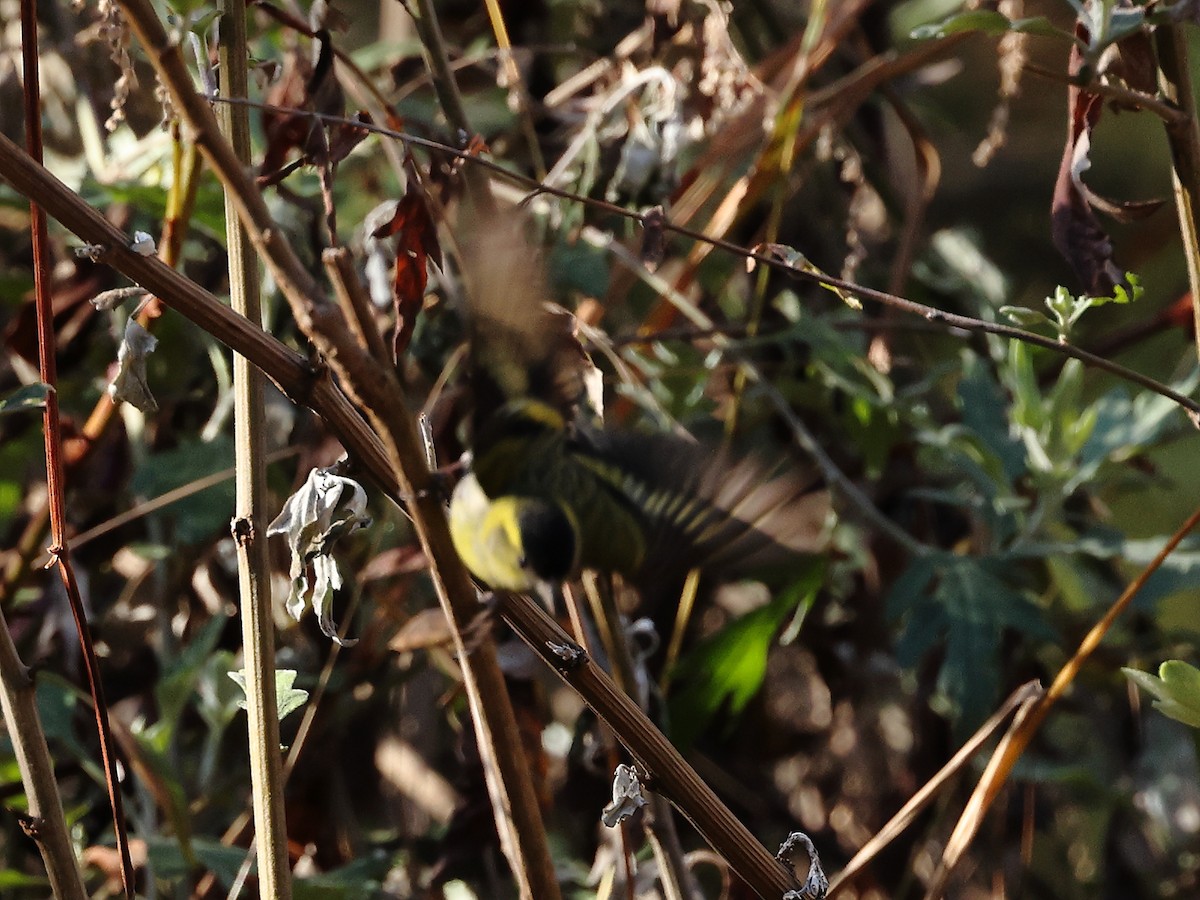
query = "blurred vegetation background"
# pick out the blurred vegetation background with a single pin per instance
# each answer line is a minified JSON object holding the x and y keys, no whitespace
{"x":1019,"y":492}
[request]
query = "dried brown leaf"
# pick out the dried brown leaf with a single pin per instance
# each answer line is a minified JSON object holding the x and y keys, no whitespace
{"x":416,"y":244}
{"x":1076,"y":231}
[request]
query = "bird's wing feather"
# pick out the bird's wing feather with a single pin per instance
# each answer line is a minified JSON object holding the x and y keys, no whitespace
{"x":519,"y":348}
{"x":707,"y":507}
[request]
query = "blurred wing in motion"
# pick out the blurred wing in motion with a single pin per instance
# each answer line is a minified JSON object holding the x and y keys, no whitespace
{"x":519,"y":348}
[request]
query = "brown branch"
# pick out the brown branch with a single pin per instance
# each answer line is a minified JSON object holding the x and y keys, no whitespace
{"x":290,"y":371}
{"x":669,"y":774}
{"x":56,"y":847}
{"x":378,"y":394}
{"x":48,"y":826}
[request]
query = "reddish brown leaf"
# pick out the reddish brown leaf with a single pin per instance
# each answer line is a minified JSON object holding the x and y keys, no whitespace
{"x":416,"y":244}
{"x":286,"y":126}
{"x":394,"y":121}
{"x":1076,"y":231}
{"x":345,"y":136}
{"x":307,"y":87}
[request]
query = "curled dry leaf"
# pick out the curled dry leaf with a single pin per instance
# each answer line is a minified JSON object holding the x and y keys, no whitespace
{"x":627,"y":797}
{"x":416,"y":244}
{"x":130,"y":385}
{"x":326,"y":508}
{"x":1076,"y":230}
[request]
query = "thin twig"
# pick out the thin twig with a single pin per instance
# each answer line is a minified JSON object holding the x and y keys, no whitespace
{"x":57,"y":850}
{"x":141,"y":510}
{"x":1168,"y":112}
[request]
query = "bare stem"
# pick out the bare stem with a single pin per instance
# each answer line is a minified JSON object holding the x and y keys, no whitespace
{"x":48,"y":824}
{"x":250,"y":513}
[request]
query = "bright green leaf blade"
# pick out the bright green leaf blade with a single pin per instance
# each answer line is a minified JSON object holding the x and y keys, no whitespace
{"x":1177,"y":690}
{"x":12,"y":880}
{"x":288,"y":699}
{"x":727,"y":670}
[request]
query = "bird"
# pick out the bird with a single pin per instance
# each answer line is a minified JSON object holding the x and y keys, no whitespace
{"x":550,"y":493}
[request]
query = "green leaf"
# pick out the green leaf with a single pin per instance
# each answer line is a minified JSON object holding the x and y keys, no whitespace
{"x":217,"y":695}
{"x":287,"y":698}
{"x":980,"y":400}
{"x":727,"y":670}
{"x":909,"y":589}
{"x":1124,"y":22}
{"x":203,"y":514}
{"x":168,"y":861}
{"x":1177,"y":688}
{"x":58,"y":704}
{"x":1027,"y":394}
{"x":357,"y":880}
{"x":1121,"y":295}
{"x":31,"y":396}
{"x":178,"y":682}
{"x":11,"y":880}
{"x":968,"y":606}
{"x":987,"y":22}
{"x":1024,"y":316}
{"x":1124,"y":426}
{"x":581,"y":267}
